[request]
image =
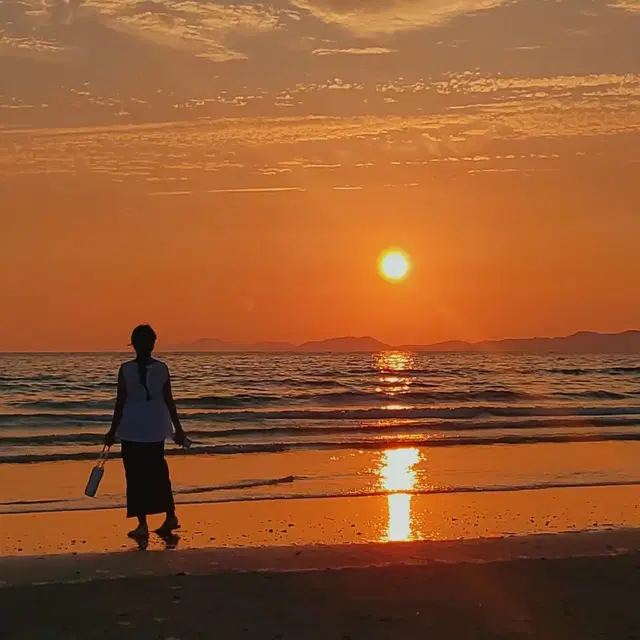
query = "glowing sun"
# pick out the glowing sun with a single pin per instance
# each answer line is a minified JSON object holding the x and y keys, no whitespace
{"x":394,"y":265}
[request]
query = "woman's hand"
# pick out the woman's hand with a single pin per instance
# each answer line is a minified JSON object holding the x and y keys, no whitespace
{"x":179,"y":438}
{"x":109,"y":439}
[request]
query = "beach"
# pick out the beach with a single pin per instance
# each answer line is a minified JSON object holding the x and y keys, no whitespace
{"x":331,"y":496}
{"x":330,"y":569}
{"x":575,"y":598}
{"x":333,"y":299}
{"x":555,"y":586}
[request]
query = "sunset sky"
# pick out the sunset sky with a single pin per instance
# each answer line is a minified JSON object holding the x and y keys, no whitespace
{"x":233,"y":170}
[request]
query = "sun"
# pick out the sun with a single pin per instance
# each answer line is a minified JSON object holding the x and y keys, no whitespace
{"x":394,"y":265}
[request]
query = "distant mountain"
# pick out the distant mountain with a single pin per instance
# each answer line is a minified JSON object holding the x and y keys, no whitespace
{"x":581,"y":342}
{"x":443,"y":347}
{"x":346,"y":344}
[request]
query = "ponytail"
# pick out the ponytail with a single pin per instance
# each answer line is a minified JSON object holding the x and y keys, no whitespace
{"x":142,"y":374}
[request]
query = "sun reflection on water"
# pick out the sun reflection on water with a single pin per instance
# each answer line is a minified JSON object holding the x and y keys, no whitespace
{"x":397,"y":474}
{"x":393,"y":361}
{"x":395,"y":369}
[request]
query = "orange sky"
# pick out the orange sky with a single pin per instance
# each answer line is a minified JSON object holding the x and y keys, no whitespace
{"x":202,"y":186}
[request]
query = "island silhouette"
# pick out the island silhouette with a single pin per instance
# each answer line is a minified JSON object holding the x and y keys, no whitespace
{"x":626,"y":342}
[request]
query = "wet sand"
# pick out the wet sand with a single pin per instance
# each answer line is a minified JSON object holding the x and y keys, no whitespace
{"x":333,"y":521}
{"x":397,"y":566}
{"x":551,"y":599}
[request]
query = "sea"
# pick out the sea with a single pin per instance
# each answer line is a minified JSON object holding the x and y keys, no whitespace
{"x":318,"y":425}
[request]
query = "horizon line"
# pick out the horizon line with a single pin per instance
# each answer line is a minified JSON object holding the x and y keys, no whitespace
{"x":291,"y":347}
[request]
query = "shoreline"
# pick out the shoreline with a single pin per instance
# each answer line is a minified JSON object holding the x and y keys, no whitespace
{"x":166,"y":560}
{"x":40,"y":507}
{"x":346,"y":520}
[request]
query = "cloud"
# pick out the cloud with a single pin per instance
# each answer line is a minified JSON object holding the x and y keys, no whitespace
{"x":28,"y":46}
{"x":376,"y":17}
{"x":51,"y":11}
{"x":170,"y":193}
{"x":20,"y":35}
{"x":257,"y":190}
{"x":567,"y":88}
{"x":627,"y":5}
{"x":466,"y":130}
{"x":477,"y":83}
{"x":470,"y":113}
{"x":365,"y":51}
{"x":202,"y":28}
{"x":194,"y":26}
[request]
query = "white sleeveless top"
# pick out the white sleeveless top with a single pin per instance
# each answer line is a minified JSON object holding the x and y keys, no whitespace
{"x":145,"y":418}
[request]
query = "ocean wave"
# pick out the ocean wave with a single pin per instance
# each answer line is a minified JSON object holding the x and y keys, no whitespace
{"x":276,"y":433}
{"x":204,"y":402}
{"x":232,"y":402}
{"x":365,"y":444}
{"x":595,"y":395}
{"x":346,"y":399}
{"x":185,"y":491}
{"x":20,"y":503}
{"x":21,"y":458}
{"x":245,"y":484}
{"x":416,"y":371}
{"x":352,"y":397}
{"x":364,"y":397}
{"x":394,"y":411}
{"x":52,"y":419}
{"x":433,"y":490}
{"x":46,"y":404}
{"x":51,"y":439}
{"x":427,"y":491}
{"x":218,"y":496}
{"x":303,"y":381}
{"x":45,"y":377}
{"x":261,"y":400}
{"x":612,"y":371}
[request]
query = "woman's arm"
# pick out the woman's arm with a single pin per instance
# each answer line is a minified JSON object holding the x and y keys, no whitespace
{"x":167,"y":393}
{"x":121,"y":399}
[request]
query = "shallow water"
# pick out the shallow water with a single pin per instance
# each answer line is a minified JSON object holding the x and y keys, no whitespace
{"x":291,"y":425}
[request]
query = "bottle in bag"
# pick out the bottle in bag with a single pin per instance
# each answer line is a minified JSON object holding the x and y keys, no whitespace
{"x":95,"y":477}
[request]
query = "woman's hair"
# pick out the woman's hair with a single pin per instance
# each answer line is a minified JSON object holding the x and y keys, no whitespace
{"x":143,"y":340}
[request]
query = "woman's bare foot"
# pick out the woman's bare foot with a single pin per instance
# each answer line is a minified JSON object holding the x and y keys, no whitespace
{"x":141,"y":531}
{"x":169,"y":525}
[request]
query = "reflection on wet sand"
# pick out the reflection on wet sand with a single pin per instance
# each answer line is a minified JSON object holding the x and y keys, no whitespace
{"x":397,"y":475}
{"x":170,"y":541}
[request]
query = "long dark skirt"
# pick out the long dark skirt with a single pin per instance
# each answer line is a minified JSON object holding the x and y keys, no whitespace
{"x":148,"y":484}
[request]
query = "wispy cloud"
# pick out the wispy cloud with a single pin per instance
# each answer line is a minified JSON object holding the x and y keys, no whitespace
{"x":28,"y":46}
{"x":374,"y":17}
{"x":204,"y":147}
{"x":474,"y":82}
{"x":364,"y":51}
{"x":628,"y":5}
{"x":170,"y":193}
{"x":238,"y":190}
{"x":202,"y":28}
{"x":256,"y":190}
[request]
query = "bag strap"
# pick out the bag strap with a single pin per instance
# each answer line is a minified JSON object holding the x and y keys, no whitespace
{"x":104,"y":455}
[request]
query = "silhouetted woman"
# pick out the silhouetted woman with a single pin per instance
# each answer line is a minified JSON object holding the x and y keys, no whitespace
{"x":142,"y":420}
